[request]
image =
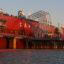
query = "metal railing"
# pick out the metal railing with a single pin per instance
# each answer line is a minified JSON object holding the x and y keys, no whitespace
{"x":11,"y":31}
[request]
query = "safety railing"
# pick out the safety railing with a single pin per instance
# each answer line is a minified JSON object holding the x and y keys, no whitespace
{"x":11,"y":31}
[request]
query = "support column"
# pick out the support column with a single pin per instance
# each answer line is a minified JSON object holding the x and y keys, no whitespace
{"x":63,"y":44}
{"x":27,"y":46}
{"x":55,"y":45}
{"x":7,"y":39}
{"x":14,"y":43}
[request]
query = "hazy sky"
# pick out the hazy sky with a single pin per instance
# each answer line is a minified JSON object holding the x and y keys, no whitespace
{"x":54,"y":7}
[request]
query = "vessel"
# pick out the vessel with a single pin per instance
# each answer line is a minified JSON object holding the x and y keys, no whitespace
{"x":19,"y":32}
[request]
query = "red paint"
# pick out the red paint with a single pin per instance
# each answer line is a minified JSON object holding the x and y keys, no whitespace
{"x":3,"y":43}
{"x":13,"y":24}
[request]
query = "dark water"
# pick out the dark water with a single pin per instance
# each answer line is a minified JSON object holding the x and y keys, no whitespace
{"x":32,"y":57}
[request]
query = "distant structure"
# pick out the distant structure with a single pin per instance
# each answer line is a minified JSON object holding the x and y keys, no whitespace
{"x":1,"y":11}
{"x":41,"y":16}
{"x":21,"y":14}
{"x":60,"y":28}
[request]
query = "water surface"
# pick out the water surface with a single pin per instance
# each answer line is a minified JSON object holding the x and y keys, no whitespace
{"x":32,"y":57}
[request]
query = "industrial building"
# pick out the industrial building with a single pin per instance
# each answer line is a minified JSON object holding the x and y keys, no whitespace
{"x":22,"y":33}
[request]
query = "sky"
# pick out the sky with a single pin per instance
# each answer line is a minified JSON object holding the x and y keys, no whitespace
{"x":54,"y":7}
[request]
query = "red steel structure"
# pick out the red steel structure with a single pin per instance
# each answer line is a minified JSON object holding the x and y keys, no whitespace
{"x":17,"y":32}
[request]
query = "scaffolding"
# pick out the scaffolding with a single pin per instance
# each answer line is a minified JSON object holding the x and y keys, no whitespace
{"x":44,"y":19}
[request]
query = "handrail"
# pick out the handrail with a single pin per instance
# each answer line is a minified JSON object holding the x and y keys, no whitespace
{"x":11,"y":31}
